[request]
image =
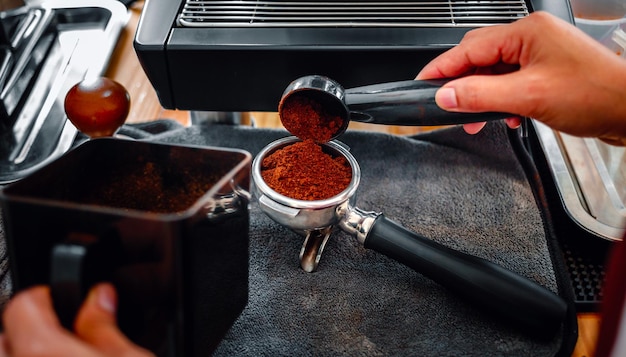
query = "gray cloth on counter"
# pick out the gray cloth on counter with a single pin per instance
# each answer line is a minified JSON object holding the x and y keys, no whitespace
{"x":467,"y":192}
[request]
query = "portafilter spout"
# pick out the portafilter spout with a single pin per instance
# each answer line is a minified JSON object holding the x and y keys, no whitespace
{"x":505,"y":294}
{"x":410,"y":103}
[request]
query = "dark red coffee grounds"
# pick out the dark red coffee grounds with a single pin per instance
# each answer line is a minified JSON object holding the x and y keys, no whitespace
{"x":307,"y":119}
{"x":148,"y":187}
{"x":305,"y":172}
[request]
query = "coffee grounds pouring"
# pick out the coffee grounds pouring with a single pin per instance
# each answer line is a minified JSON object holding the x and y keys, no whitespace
{"x":303,"y":170}
{"x":308,"y":119}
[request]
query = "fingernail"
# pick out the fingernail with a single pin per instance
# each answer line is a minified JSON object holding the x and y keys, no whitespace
{"x":513,"y":122}
{"x":446,"y":98}
{"x":104,"y":296}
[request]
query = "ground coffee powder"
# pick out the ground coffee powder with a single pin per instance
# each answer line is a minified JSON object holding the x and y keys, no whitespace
{"x":305,"y":172}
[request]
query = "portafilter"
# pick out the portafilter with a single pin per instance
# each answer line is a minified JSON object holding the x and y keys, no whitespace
{"x":524,"y":303}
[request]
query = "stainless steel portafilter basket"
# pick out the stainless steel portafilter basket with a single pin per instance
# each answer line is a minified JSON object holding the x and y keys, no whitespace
{"x":314,"y":219}
{"x":520,"y":301}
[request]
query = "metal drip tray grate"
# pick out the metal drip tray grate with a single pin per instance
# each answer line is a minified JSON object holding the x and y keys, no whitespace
{"x":443,"y":13}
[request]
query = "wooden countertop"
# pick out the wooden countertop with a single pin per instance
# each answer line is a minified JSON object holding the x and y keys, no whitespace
{"x":125,"y":68}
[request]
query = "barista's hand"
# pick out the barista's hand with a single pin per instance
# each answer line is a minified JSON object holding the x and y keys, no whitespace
{"x":539,"y":67}
{"x":31,"y":327}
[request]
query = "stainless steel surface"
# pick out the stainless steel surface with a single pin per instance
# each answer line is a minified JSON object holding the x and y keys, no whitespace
{"x":416,"y":13}
{"x":298,"y":214}
{"x":26,"y":48}
{"x":313,"y":247}
{"x":358,"y":222}
{"x":591,"y":179}
{"x":323,"y":90}
{"x":87,"y":34}
{"x":321,"y":84}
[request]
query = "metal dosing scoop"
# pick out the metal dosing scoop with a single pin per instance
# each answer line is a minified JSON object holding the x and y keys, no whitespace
{"x":522,"y":302}
{"x":410,"y":103}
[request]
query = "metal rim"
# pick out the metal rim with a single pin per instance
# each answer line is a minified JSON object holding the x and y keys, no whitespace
{"x":292,"y":202}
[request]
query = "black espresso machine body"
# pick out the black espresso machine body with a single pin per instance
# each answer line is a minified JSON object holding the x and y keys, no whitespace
{"x":240,"y":56}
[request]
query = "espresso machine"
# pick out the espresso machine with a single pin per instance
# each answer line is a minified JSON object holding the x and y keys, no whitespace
{"x":237,"y":56}
{"x":198,"y":54}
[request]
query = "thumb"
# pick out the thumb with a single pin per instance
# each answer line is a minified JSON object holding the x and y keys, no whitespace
{"x":96,"y":323}
{"x":481,"y":93}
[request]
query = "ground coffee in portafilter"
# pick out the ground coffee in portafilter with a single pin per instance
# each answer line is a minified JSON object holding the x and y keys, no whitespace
{"x":305,"y":172}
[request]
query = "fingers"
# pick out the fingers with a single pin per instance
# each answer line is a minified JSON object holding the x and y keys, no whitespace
{"x":32,"y":328}
{"x":485,"y":93}
{"x":474,"y":128}
{"x":513,"y":122}
{"x":31,"y":305}
{"x":498,"y":47}
{"x":96,"y":324}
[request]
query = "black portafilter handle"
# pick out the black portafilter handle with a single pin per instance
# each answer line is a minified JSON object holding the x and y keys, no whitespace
{"x":410,"y":103}
{"x":517,"y":300}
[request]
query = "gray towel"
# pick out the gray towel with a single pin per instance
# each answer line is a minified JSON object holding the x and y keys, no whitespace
{"x":466,"y":192}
